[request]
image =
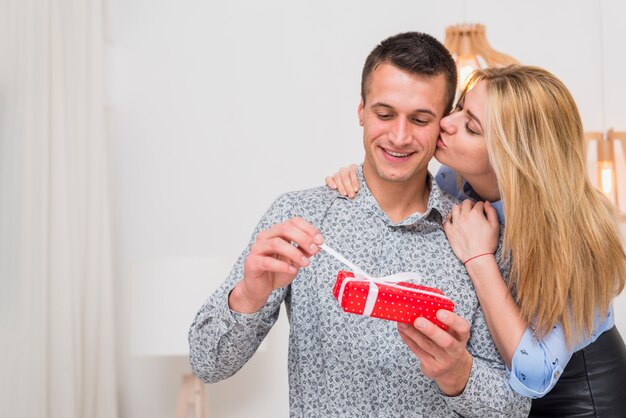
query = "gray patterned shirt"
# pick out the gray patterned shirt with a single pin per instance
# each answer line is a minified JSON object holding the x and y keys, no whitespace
{"x":347,"y":365}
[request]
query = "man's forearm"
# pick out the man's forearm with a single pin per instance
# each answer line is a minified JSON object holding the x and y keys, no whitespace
{"x":221,"y":341}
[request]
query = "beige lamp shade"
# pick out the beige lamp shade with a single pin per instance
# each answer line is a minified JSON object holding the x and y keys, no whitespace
{"x":165,"y":297}
{"x":470,"y":49}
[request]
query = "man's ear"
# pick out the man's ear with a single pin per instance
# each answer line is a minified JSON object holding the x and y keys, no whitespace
{"x":360,"y":112}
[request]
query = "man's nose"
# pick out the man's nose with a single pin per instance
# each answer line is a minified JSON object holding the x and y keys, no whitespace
{"x":400,"y":132}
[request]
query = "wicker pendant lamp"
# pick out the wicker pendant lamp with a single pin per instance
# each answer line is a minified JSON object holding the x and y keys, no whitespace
{"x":470,"y":49}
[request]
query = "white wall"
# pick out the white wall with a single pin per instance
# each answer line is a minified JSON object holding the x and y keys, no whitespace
{"x":218,"y":107}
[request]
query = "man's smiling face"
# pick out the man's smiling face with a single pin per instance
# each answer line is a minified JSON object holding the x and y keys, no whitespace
{"x":400,"y":121}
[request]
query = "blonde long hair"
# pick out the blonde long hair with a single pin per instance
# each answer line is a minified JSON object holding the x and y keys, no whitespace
{"x":562,"y":234}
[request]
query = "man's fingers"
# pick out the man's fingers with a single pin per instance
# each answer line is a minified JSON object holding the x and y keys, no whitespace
{"x":277,"y":247}
{"x":412,"y":345}
{"x":297,"y":230}
{"x":457,"y":325}
{"x":275,"y":265}
{"x":437,"y":340}
{"x":422,"y":340}
{"x":308,"y":228}
{"x":289,"y":233}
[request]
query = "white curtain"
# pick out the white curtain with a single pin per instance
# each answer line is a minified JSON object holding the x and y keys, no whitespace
{"x":56,"y":316}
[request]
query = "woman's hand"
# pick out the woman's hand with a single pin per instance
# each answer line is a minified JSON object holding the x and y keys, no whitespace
{"x":472,"y":229}
{"x":345,"y":181}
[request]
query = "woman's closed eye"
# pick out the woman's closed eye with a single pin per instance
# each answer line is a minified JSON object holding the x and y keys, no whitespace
{"x":470,"y":130}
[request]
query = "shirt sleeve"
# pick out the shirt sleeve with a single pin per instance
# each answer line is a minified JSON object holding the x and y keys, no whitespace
{"x":537,"y":365}
{"x":487,"y":392}
{"x":221,"y":341}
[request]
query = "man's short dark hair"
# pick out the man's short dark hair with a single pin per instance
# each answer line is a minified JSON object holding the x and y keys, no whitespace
{"x":417,"y":53}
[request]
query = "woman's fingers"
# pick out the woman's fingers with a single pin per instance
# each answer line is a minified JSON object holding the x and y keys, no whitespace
{"x":454,"y":213}
{"x":330,"y":182}
{"x":467,"y":205}
{"x":354,"y":178}
{"x":341,"y":188}
{"x":492,"y":215}
{"x":345,"y":181}
{"x":344,"y":173}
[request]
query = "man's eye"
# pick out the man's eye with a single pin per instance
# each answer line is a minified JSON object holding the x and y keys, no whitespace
{"x":384,"y":116}
{"x":420,"y":122}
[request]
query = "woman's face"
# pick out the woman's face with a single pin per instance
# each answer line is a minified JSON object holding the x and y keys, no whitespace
{"x":461,"y":145}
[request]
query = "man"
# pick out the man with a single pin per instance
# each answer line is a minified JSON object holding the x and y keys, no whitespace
{"x":348,"y":365}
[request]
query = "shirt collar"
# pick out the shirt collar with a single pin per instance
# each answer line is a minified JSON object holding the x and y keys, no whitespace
{"x":439,"y":204}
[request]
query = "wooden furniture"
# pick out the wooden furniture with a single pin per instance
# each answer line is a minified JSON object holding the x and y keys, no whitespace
{"x":606,"y":165}
{"x":191,"y":397}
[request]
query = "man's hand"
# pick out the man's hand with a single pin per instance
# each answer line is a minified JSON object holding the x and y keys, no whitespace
{"x":274,"y":262}
{"x":443,"y":355}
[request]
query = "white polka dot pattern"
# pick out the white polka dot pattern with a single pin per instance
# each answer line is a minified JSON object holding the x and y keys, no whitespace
{"x":400,"y":305}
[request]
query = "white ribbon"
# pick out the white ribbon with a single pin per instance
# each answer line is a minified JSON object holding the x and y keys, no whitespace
{"x":390,"y":281}
{"x":356,"y":270}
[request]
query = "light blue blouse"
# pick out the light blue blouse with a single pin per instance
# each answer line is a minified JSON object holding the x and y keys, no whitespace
{"x":537,"y":364}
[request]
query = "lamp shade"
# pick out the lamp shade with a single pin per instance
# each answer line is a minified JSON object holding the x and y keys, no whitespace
{"x":470,"y":49}
{"x":166,"y":294}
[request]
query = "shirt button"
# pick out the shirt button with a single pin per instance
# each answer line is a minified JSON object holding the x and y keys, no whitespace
{"x":386,"y":371}
{"x":557,"y":374}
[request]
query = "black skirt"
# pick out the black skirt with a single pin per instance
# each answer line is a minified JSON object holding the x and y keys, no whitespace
{"x":593,"y":383}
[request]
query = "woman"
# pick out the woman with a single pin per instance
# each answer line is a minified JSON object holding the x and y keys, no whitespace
{"x":516,"y":138}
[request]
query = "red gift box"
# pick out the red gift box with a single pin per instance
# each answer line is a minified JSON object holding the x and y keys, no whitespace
{"x":400,"y":302}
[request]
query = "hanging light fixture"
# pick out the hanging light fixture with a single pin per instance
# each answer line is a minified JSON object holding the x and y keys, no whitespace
{"x":606,"y":153}
{"x":470,"y":49}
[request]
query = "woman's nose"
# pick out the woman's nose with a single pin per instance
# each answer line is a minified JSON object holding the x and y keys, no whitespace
{"x":447,"y":124}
